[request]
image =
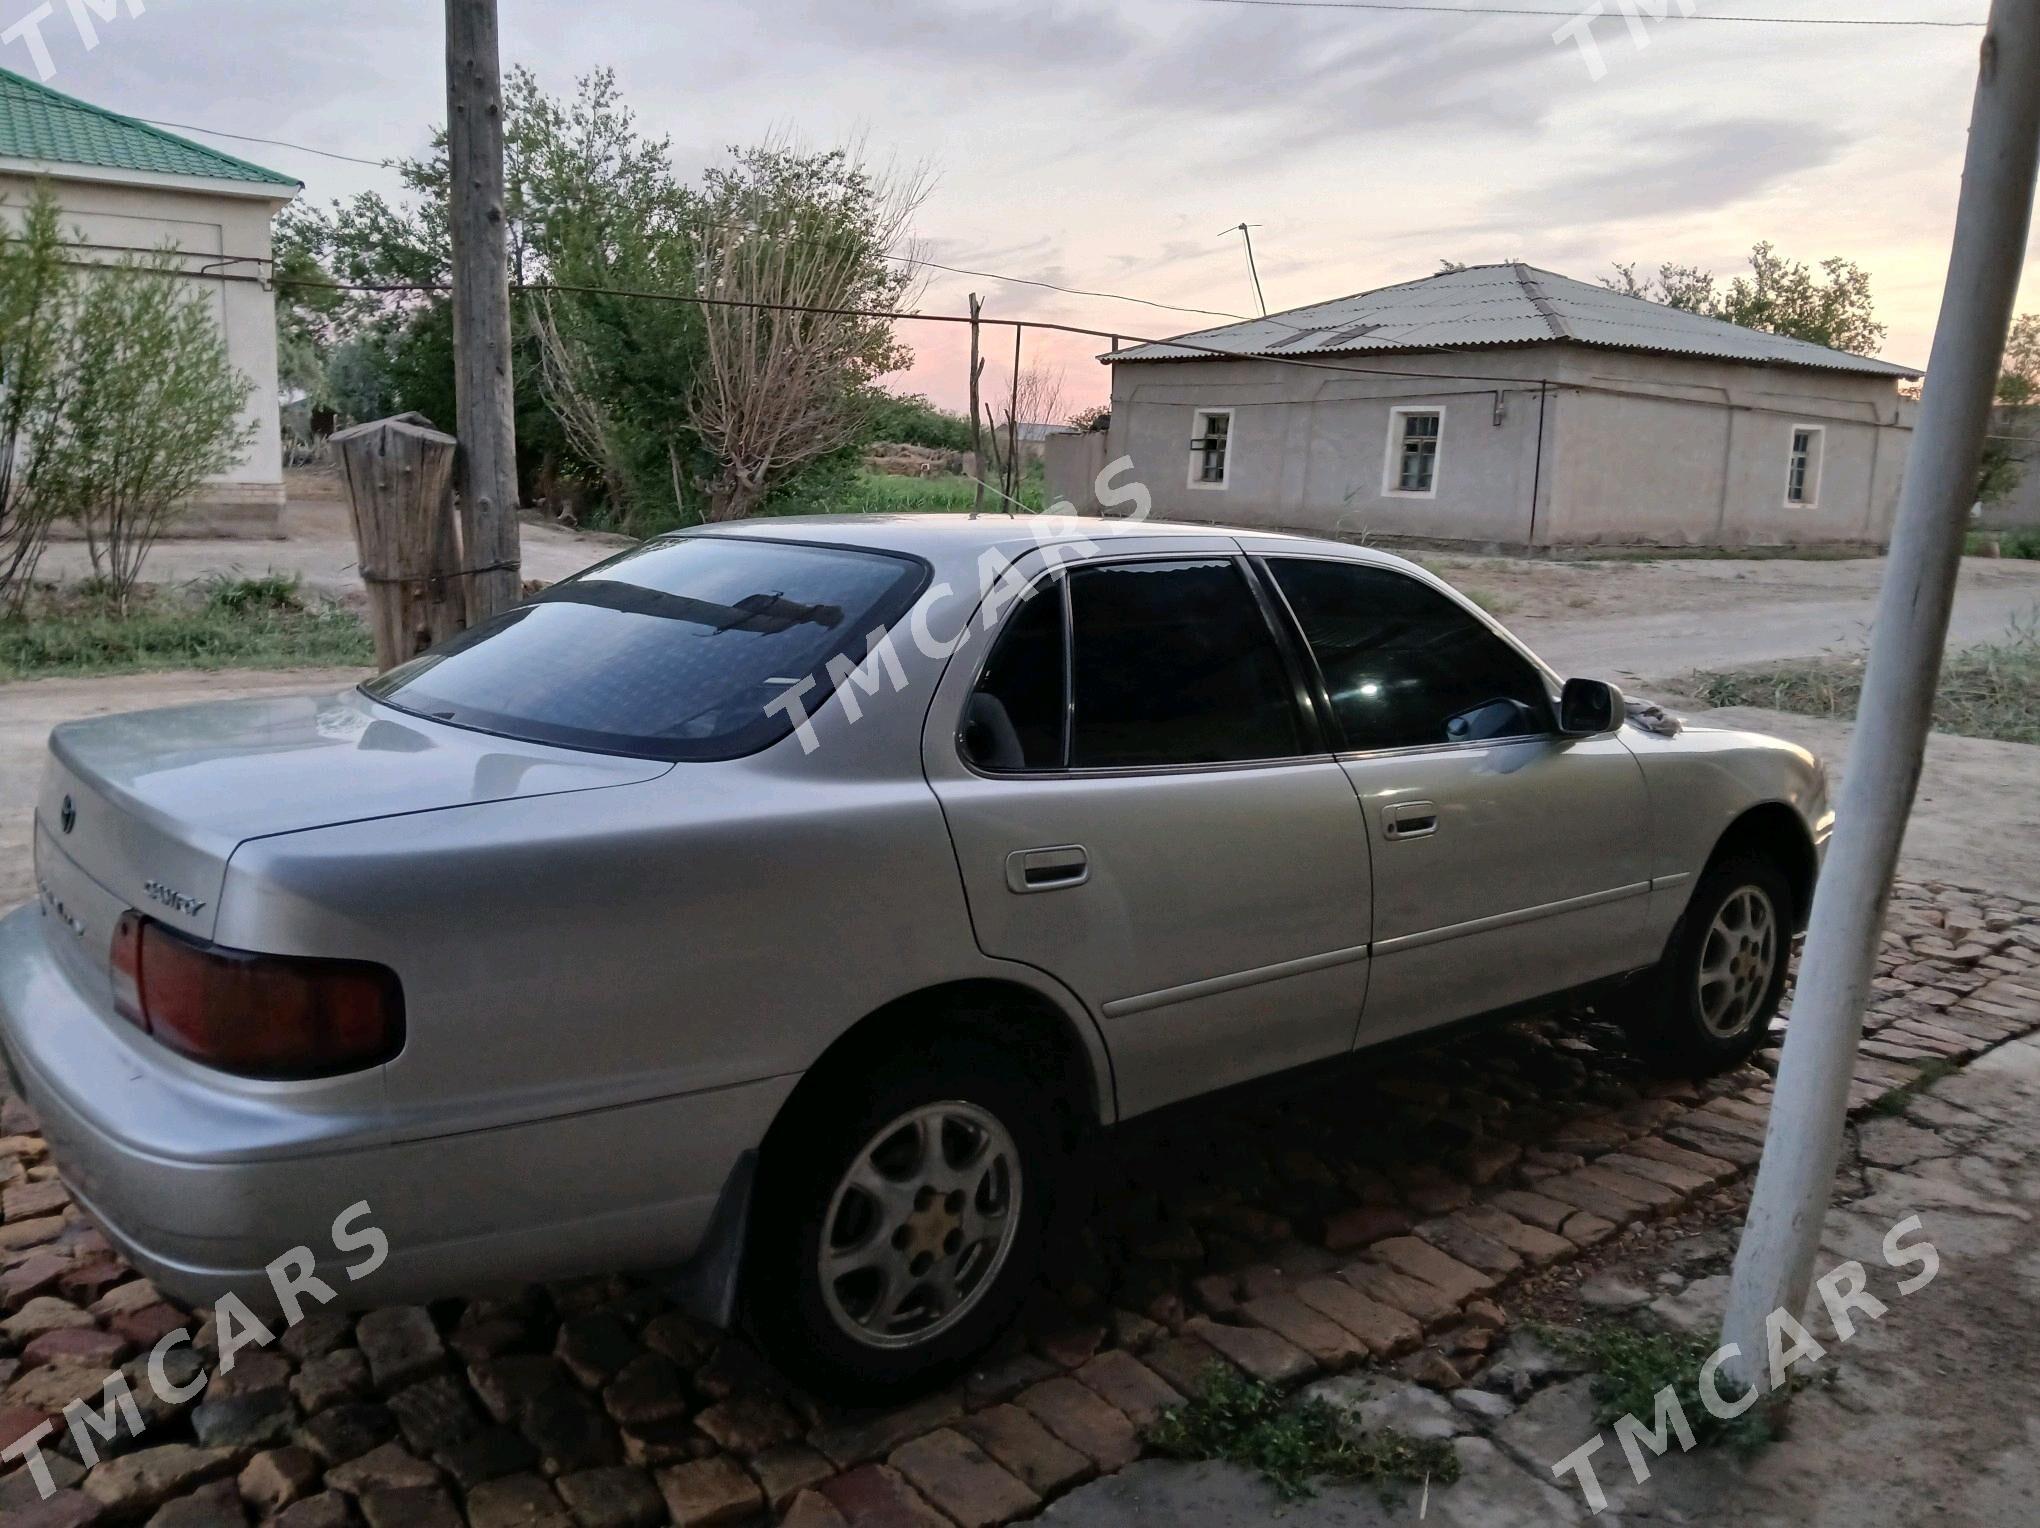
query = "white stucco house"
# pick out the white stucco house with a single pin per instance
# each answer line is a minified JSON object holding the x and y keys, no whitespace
{"x":1505,"y":405}
{"x":124,"y":185}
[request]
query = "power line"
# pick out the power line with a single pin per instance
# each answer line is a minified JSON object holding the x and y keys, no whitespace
{"x":1575,"y":13}
{"x":275,"y":143}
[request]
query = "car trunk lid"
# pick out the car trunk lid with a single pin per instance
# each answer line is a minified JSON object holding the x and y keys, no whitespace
{"x":149,"y":807}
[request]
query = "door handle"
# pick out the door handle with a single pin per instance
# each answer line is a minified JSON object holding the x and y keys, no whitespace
{"x":1047,"y":869}
{"x":1409,"y":819}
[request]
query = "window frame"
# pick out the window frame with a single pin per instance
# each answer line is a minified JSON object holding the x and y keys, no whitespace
{"x":1816,"y":455}
{"x":1198,"y":429}
{"x":1332,"y":729}
{"x":1314,"y":726}
{"x":1391,"y":467}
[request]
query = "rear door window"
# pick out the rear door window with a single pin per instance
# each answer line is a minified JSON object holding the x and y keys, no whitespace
{"x":1018,"y":716}
{"x":1406,"y":666}
{"x":1174,"y":663}
{"x":677,"y":649}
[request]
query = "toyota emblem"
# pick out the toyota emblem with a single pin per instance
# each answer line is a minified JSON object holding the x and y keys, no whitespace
{"x":67,"y":818}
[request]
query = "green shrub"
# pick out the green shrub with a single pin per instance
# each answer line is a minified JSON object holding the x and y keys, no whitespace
{"x":267,"y":591}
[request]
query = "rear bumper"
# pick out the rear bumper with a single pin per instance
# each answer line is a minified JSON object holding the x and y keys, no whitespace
{"x":203,"y":1188}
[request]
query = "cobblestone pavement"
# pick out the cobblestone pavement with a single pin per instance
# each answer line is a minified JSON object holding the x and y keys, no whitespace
{"x":1380,"y":1219}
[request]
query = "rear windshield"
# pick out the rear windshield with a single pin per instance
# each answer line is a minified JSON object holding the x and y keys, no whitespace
{"x":673,"y":650}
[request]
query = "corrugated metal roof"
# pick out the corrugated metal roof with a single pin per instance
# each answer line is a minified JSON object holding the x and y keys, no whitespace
{"x":45,"y":125}
{"x":1489,"y":305}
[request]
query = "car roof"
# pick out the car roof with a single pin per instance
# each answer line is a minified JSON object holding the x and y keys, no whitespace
{"x":949,"y":534}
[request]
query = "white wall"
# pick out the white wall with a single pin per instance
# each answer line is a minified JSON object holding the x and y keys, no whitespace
{"x":1543,"y":445}
{"x":208,"y":226}
{"x":1309,"y":445}
{"x":1669,"y":451}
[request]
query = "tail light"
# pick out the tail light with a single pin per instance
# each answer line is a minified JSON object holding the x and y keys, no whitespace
{"x":257,"y":1015}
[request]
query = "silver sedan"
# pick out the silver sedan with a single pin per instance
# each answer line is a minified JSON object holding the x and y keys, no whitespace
{"x":786,"y":903}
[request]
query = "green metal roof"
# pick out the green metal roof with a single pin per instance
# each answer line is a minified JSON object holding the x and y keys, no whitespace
{"x":45,"y":125}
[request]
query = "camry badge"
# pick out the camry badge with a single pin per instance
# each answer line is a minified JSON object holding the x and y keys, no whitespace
{"x":172,"y":898}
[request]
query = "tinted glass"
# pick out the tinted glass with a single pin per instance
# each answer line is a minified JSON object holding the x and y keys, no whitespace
{"x":673,"y":650}
{"x":1405,"y":665}
{"x":1015,"y":720}
{"x":1174,"y":664}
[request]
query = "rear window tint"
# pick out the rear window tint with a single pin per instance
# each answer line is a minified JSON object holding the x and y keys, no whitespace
{"x":673,"y":650}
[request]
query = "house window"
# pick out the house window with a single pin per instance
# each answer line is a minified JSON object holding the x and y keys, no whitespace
{"x":1412,"y":466}
{"x":1211,"y":448}
{"x":1802,"y":471}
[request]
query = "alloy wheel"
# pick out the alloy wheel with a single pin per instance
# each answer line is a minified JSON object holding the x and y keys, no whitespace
{"x":1737,"y":962}
{"x":920,"y":1225}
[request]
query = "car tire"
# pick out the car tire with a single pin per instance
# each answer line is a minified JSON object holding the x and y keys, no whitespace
{"x":1709,"y":1002}
{"x":900,"y":1217}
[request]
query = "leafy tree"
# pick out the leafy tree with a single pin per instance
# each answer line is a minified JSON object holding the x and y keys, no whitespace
{"x":912,"y":420}
{"x":2019,"y":378}
{"x":611,"y":388}
{"x":35,"y":304}
{"x":2002,"y":466}
{"x":150,"y":409}
{"x":1778,"y":295}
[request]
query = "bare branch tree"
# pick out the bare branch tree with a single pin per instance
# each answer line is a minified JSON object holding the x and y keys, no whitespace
{"x":567,"y":382}
{"x":1037,"y":400}
{"x":782,"y":384}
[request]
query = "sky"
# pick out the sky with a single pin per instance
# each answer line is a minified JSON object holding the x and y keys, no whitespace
{"x":1105,"y":144}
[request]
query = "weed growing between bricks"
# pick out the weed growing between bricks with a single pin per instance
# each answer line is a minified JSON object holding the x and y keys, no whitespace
{"x":1632,"y":1362}
{"x":1293,"y":1442}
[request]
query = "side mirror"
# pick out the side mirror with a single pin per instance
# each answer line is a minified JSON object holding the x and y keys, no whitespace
{"x":1589,"y":708}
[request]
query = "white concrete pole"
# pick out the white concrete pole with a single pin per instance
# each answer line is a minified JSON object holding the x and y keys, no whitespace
{"x":1774,"y":1265}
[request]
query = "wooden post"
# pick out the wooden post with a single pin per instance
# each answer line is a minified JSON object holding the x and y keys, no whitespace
{"x":977,"y":449}
{"x":1013,"y":426}
{"x":399,"y":477}
{"x":487,"y":423}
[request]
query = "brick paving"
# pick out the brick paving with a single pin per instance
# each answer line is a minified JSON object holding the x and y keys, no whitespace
{"x":1378,"y":1218}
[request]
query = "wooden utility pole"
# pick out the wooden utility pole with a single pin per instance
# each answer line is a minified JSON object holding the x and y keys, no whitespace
{"x":487,"y":423}
{"x":1788,"y":1209}
{"x":1013,"y":425}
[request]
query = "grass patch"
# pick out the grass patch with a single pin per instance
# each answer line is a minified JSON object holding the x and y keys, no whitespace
{"x":2022,"y":542}
{"x":1292,"y":1443}
{"x":1992,"y":691}
{"x":889,"y":493}
{"x":262,"y":623}
{"x":1845,"y":553}
{"x":1488,"y":600}
{"x":1631,"y":1364}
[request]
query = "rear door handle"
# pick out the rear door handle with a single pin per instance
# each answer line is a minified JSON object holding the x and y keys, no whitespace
{"x":1047,"y":869}
{"x":1410,"y":819}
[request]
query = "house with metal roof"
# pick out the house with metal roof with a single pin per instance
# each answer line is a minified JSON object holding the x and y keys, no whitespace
{"x":124,"y":185}
{"x":1505,"y":405}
